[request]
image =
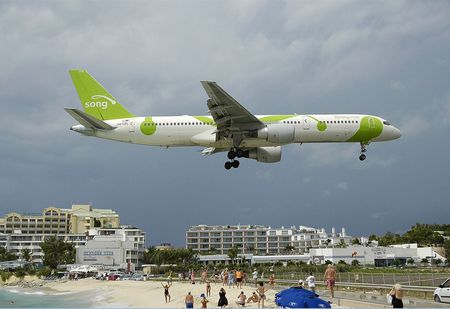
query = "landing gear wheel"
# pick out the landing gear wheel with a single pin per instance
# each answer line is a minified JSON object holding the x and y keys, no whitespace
{"x":362,"y":157}
{"x":231,"y":155}
{"x":239,"y":153}
{"x":235,"y":163}
{"x":228,"y":165}
{"x":437,"y":299}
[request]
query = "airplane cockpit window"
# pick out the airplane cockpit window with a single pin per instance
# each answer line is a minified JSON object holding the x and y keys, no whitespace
{"x":386,"y":123}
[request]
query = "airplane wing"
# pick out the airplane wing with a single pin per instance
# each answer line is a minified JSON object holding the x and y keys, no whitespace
{"x":232,"y":119}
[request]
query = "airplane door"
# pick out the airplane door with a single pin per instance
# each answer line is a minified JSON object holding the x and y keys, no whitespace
{"x":371,"y":123}
{"x":131,"y":125}
{"x":306,"y":124}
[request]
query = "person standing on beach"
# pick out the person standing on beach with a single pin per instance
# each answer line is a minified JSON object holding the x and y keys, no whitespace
{"x":208,"y":287}
{"x":255,"y":277}
{"x":189,"y":300}
{"x":397,"y":296}
{"x":311,"y":282}
{"x":203,"y":300}
{"x":330,"y":279}
{"x":239,"y":279}
{"x":261,"y":290}
{"x":166,"y":291}
{"x":223,"y":301}
{"x":272,"y":280}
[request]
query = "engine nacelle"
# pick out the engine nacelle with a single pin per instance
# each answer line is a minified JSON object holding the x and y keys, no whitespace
{"x":278,"y":133}
{"x":265,"y":154}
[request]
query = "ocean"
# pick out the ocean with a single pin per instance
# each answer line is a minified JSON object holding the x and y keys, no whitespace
{"x":25,"y":298}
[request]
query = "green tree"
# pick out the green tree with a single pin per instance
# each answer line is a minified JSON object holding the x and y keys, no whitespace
{"x":233,"y":253}
{"x":26,"y":254}
{"x":438,"y":262}
{"x":447,"y":248}
{"x":355,"y":241}
{"x":424,"y":261}
{"x":355,"y":263}
{"x":5,"y":255}
{"x":410,"y":261}
{"x":56,"y":252}
{"x":289,"y":249}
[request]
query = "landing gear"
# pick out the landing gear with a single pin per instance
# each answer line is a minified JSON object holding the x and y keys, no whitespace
{"x":362,"y":156}
{"x":230,"y":164}
{"x":232,"y":154}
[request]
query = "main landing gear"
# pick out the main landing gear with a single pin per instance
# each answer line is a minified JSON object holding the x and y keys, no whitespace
{"x":232,"y":154}
{"x":362,"y":155}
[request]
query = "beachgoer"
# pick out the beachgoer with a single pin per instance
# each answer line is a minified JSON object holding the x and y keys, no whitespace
{"x":397,"y":296}
{"x":193,"y":277}
{"x":239,"y":279}
{"x":204,"y":275}
{"x":272,"y":280}
{"x":225,"y":277}
{"x":241,"y":299}
{"x":230,"y":278}
{"x":301,"y":284}
{"x":169,"y":278}
{"x":223,"y":301}
{"x":203,"y":300}
{"x":311,"y":282}
{"x":166,"y":291}
{"x":261,"y":290}
{"x":208,"y":288}
{"x":189,"y":300}
{"x":255,"y":276}
{"x":254,"y":298}
{"x":330,"y":278}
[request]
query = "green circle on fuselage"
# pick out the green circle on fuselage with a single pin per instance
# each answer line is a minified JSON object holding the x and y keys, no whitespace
{"x":148,"y":126}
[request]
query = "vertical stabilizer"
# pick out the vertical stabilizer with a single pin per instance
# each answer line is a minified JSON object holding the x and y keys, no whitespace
{"x":96,"y":100}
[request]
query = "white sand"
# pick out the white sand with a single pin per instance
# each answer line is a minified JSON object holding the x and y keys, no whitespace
{"x":150,"y":294}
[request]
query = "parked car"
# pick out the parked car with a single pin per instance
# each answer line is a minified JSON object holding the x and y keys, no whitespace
{"x":442,"y":293}
{"x":114,"y":277}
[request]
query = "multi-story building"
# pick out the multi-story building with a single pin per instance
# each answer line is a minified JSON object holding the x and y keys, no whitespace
{"x":113,"y":247}
{"x":76,"y":220}
{"x":261,"y":240}
{"x":78,"y":225}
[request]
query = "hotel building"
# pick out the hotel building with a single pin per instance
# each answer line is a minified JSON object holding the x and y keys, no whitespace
{"x":261,"y":240}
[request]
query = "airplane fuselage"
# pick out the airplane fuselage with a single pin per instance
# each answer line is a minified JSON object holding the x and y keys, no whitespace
{"x":177,"y":131}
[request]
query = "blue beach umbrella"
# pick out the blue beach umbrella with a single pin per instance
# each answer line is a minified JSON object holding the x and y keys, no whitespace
{"x":297,"y":297}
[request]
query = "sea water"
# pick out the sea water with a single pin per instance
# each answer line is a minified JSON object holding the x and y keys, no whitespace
{"x":26,"y":298}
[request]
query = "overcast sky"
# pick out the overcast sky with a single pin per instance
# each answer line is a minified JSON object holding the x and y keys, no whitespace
{"x":390,"y":59}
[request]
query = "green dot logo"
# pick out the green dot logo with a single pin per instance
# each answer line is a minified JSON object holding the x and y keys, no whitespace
{"x":148,"y":127}
{"x":321,"y":126}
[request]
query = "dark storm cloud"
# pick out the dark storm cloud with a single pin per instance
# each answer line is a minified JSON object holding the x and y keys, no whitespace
{"x":386,"y":58}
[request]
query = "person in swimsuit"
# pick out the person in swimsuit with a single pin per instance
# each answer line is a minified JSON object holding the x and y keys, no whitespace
{"x":330,"y":278}
{"x":223,"y":301}
{"x":239,"y":279}
{"x":208,"y":288}
{"x":189,"y":300}
{"x":397,"y":295}
{"x":261,"y":290}
{"x":254,"y":298}
{"x":203,"y":300}
{"x":241,"y":299}
{"x":166,"y":291}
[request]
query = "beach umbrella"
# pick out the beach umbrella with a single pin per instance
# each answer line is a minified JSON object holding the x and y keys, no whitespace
{"x":298,"y":297}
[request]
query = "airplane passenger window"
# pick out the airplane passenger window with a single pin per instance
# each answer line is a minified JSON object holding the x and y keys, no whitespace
{"x":386,"y":123}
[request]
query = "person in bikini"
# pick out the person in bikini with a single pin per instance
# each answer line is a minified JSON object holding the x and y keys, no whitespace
{"x":261,"y":290}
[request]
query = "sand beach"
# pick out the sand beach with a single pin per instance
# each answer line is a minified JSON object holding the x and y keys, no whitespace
{"x":150,"y":294}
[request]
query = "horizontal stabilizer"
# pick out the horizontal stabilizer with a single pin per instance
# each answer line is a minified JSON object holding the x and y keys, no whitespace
{"x":87,"y":120}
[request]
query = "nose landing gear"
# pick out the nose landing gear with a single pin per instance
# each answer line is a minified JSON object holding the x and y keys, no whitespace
{"x":362,"y":155}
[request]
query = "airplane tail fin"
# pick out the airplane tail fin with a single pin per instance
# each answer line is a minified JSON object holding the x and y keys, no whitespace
{"x":96,"y":100}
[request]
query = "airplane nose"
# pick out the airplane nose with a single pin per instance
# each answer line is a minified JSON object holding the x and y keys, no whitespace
{"x":396,"y":133}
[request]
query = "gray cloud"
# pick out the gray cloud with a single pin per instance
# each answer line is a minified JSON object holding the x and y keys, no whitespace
{"x":385,"y":58}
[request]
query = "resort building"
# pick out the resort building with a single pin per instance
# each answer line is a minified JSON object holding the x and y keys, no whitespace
{"x":123,"y":247}
{"x":76,"y":220}
{"x":261,"y":240}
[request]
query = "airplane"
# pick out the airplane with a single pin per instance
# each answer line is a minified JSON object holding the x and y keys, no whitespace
{"x":229,"y":127}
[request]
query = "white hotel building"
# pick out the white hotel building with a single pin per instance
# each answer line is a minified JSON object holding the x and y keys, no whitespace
{"x":261,"y":240}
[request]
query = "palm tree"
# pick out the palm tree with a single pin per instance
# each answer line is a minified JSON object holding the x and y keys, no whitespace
{"x":289,"y":249}
{"x":233,"y":253}
{"x":26,"y":254}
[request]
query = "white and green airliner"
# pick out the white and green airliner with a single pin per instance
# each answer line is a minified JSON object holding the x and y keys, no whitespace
{"x":230,"y":127}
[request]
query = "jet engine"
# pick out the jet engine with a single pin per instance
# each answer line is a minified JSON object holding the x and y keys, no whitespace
{"x":264,"y":154}
{"x":277,"y":133}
